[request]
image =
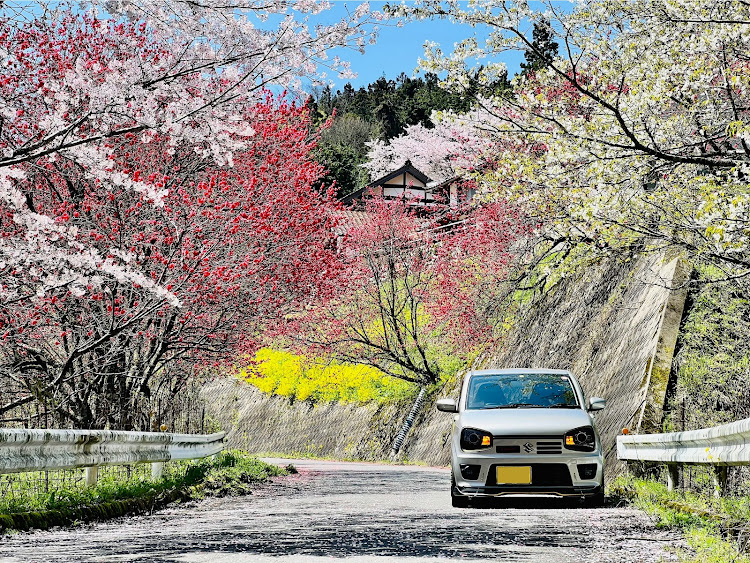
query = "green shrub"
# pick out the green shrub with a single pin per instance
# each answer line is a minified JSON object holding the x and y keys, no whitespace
{"x":713,"y":359}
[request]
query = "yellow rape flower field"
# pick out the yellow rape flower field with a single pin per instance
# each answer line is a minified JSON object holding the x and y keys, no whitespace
{"x":304,"y":379}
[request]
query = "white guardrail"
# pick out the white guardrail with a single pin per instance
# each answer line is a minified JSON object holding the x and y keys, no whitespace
{"x":43,"y":450}
{"x":719,"y":446}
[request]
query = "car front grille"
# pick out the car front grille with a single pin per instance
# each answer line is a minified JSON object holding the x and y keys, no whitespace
{"x":549,"y":447}
{"x":529,"y":446}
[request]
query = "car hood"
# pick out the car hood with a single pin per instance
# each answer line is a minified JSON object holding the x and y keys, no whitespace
{"x":524,"y":422}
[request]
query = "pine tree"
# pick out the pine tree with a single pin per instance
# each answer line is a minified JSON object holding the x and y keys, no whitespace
{"x":383,"y":110}
{"x":544,"y":48}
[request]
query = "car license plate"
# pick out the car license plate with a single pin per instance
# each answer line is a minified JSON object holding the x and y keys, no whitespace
{"x":506,"y":475}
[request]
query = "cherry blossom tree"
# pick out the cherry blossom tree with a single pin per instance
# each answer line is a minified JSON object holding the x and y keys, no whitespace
{"x":640,"y":125}
{"x":236,"y":246}
{"x":154,"y":206}
{"x":418,"y":294}
{"x":74,"y":79}
{"x":452,"y":145}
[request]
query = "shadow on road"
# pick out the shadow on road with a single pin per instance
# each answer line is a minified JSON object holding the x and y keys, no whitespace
{"x":367,"y":514}
{"x":530,"y":503}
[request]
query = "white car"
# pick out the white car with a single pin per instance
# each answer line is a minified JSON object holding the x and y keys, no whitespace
{"x":524,"y":431}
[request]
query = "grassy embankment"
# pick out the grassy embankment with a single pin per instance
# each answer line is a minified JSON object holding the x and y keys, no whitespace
{"x":31,"y":506}
{"x":713,"y":359}
{"x":715,"y":529}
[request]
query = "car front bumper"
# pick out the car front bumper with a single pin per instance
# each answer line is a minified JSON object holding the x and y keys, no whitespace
{"x":563,"y":474}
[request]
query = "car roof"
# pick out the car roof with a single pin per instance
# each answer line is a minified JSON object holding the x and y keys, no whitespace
{"x":519,"y":371}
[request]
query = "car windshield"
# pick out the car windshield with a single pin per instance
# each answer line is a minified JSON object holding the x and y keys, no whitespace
{"x":521,"y":390}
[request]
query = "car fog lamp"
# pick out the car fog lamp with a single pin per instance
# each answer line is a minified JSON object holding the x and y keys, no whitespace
{"x":587,"y":470}
{"x":470,"y":472}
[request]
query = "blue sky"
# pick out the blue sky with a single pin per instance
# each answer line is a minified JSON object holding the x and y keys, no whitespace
{"x":398,"y":48}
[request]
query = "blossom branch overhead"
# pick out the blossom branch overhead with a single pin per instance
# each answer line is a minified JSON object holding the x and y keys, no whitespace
{"x":77,"y":80}
{"x":639,"y":124}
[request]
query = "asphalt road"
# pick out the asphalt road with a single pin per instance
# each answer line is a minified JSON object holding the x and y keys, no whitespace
{"x":357,"y":512}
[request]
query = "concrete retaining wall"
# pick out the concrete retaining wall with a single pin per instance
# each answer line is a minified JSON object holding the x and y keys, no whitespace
{"x":607,"y":326}
{"x":259,"y":423}
{"x":614,"y":325}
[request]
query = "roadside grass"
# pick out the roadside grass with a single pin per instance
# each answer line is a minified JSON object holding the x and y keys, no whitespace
{"x":303,"y":379}
{"x":715,"y":529}
{"x":232,"y":472}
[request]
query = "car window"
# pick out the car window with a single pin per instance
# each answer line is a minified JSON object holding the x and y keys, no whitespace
{"x":540,"y":390}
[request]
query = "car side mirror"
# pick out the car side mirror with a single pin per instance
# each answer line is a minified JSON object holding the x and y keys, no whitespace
{"x":447,"y":405}
{"x":597,"y":403}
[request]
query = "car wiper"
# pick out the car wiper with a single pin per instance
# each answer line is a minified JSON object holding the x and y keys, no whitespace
{"x":533,"y":406}
{"x":515,"y":406}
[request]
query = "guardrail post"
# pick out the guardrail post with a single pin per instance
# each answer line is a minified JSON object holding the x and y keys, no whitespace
{"x":720,"y":480}
{"x":92,"y":475}
{"x":673,"y":476}
{"x":157,"y":470}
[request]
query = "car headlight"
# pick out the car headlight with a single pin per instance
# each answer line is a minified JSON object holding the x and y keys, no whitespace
{"x":581,"y":439}
{"x":472,"y":439}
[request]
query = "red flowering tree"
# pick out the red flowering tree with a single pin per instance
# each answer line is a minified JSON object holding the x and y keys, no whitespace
{"x":154,"y":209}
{"x":417,"y":292}
{"x":75,"y":80}
{"x":233,"y":247}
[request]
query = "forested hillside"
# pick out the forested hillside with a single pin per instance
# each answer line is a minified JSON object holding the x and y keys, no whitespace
{"x":385,"y":108}
{"x":381,"y":111}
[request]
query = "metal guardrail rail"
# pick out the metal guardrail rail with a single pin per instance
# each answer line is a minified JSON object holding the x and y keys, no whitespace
{"x":719,"y":446}
{"x":43,"y":450}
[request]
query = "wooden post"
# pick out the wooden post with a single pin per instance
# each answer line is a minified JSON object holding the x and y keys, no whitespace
{"x":673,"y":476}
{"x":720,"y":480}
{"x":92,"y":475}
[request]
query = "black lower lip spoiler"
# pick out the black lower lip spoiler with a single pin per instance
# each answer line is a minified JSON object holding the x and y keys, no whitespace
{"x":528,"y":490}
